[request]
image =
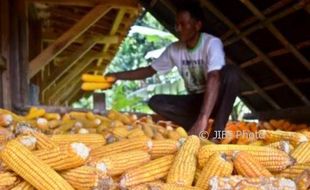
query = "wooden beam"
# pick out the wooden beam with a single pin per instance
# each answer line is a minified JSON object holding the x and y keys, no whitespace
{"x":115,"y":26}
{"x":290,"y":10}
{"x":276,"y":33}
{"x":71,"y":96}
{"x":76,"y":71}
{"x":74,"y":85}
{"x":259,"y":90}
{"x":274,"y":86}
{"x":67,"y":38}
{"x":256,"y":50}
{"x":128,"y":4}
{"x":295,"y":115}
{"x":275,"y":53}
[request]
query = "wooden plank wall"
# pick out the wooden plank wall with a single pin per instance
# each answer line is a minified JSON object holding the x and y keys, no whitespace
{"x":14,"y":50}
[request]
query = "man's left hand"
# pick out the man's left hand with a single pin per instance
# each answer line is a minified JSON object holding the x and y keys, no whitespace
{"x":200,"y":125}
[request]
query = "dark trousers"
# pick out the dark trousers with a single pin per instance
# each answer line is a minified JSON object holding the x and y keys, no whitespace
{"x":184,"y":109}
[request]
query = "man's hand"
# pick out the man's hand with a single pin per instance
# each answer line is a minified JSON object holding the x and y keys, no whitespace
{"x":200,"y":125}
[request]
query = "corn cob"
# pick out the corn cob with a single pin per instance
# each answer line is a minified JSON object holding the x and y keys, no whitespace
{"x":5,"y":120}
{"x":183,"y":169}
{"x":5,"y":135}
{"x":197,"y":175}
{"x":217,"y":165}
{"x":31,"y":168}
{"x":66,"y":157}
{"x":121,"y":146}
{"x":28,"y":141}
{"x":136,"y":133}
{"x":43,"y":141}
{"x":35,"y":113}
{"x":155,"y":169}
{"x":52,"y":116}
{"x":23,"y":185}
{"x":89,"y":86}
{"x":7,"y":179}
{"x":97,"y":78}
{"x":64,"y":127}
{"x":158,"y":136}
{"x":257,"y":143}
{"x":285,"y":146}
{"x":115,"y":115}
{"x":121,"y":132}
{"x":273,"y":136}
{"x":247,"y":166}
{"x":295,"y":170}
{"x":118,"y":163}
{"x":52,"y":124}
{"x":181,"y":132}
{"x":41,"y":123}
{"x":272,"y":159}
{"x":148,"y":130}
{"x":87,"y":178}
{"x":303,"y":180}
{"x":262,"y":183}
{"x":173,"y":135}
{"x":88,"y":139}
{"x":301,"y":153}
{"x":167,"y":186}
{"x":164,"y":147}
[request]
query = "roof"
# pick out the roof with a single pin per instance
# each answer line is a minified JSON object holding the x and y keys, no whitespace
{"x":267,"y":40}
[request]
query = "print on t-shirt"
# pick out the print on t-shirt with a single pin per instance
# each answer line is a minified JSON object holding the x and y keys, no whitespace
{"x":192,"y":73}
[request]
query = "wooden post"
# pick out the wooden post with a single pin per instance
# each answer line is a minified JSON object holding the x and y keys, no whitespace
{"x":99,"y":102}
{"x":67,"y":38}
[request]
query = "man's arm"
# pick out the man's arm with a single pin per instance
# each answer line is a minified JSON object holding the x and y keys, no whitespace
{"x":210,"y":97}
{"x":138,"y":74}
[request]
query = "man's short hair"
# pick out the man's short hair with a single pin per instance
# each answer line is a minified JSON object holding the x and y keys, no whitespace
{"x":192,"y":7}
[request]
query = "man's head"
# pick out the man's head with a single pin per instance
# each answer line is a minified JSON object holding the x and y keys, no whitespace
{"x":188,"y":20}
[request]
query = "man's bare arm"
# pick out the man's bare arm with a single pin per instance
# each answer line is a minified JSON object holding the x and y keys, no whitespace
{"x":138,"y":74}
{"x":210,"y":97}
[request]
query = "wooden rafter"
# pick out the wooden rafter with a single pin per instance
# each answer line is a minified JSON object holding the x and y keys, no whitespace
{"x":273,"y":8}
{"x":275,"y":53}
{"x":274,"y":86}
{"x":259,"y":90}
{"x":257,"y":51}
{"x":250,"y":30}
{"x":74,"y":85}
{"x":277,"y":33}
{"x":75,"y":72}
{"x":67,"y":38}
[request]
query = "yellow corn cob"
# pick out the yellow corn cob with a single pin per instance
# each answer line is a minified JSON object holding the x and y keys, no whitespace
{"x":182,"y":171}
{"x":155,"y":169}
{"x":173,"y":135}
{"x":273,"y":136}
{"x":181,"y":132}
{"x":90,"y":86}
{"x":35,"y":113}
{"x":88,"y":139}
{"x":238,"y":182}
{"x":52,"y":124}
{"x":121,"y":146}
{"x":23,"y":185}
{"x":52,"y":116}
{"x":5,"y":120}
{"x":87,"y":178}
{"x":7,"y":179}
{"x":31,"y":168}
{"x":293,"y":171}
{"x":272,"y":159}
{"x":136,"y":133}
{"x":148,"y":130}
{"x":97,"y":78}
{"x":90,"y":115}
{"x":164,"y":147}
{"x":147,"y":186}
{"x":257,"y":143}
{"x":247,"y":166}
{"x":43,"y":141}
{"x":303,"y":180}
{"x":302,"y":153}
{"x":121,"y":132}
{"x":115,"y":115}
{"x":217,"y":165}
{"x":66,"y":157}
{"x":116,"y":164}
{"x":64,"y":127}
{"x":167,"y":186}
{"x":158,"y":136}
{"x":197,"y":174}
{"x":28,"y":141}
{"x":282,"y":145}
{"x":42,"y":124}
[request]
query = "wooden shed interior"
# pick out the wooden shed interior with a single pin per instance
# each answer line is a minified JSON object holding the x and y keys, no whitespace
{"x":49,"y":43}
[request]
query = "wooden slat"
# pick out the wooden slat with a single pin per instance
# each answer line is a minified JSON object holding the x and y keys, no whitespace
{"x":256,"y":50}
{"x":74,"y":85}
{"x":292,"y":9}
{"x":277,"y":34}
{"x":67,"y":38}
{"x":275,"y":53}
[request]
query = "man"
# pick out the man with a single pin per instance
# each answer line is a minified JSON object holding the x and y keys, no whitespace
{"x":199,"y":57}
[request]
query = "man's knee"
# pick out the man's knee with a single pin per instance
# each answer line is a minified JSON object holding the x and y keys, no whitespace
{"x":155,"y":102}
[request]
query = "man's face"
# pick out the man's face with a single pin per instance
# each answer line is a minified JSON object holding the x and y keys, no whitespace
{"x":186,"y":26}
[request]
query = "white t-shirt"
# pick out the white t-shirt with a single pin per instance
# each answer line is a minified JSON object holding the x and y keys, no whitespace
{"x":208,"y":55}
